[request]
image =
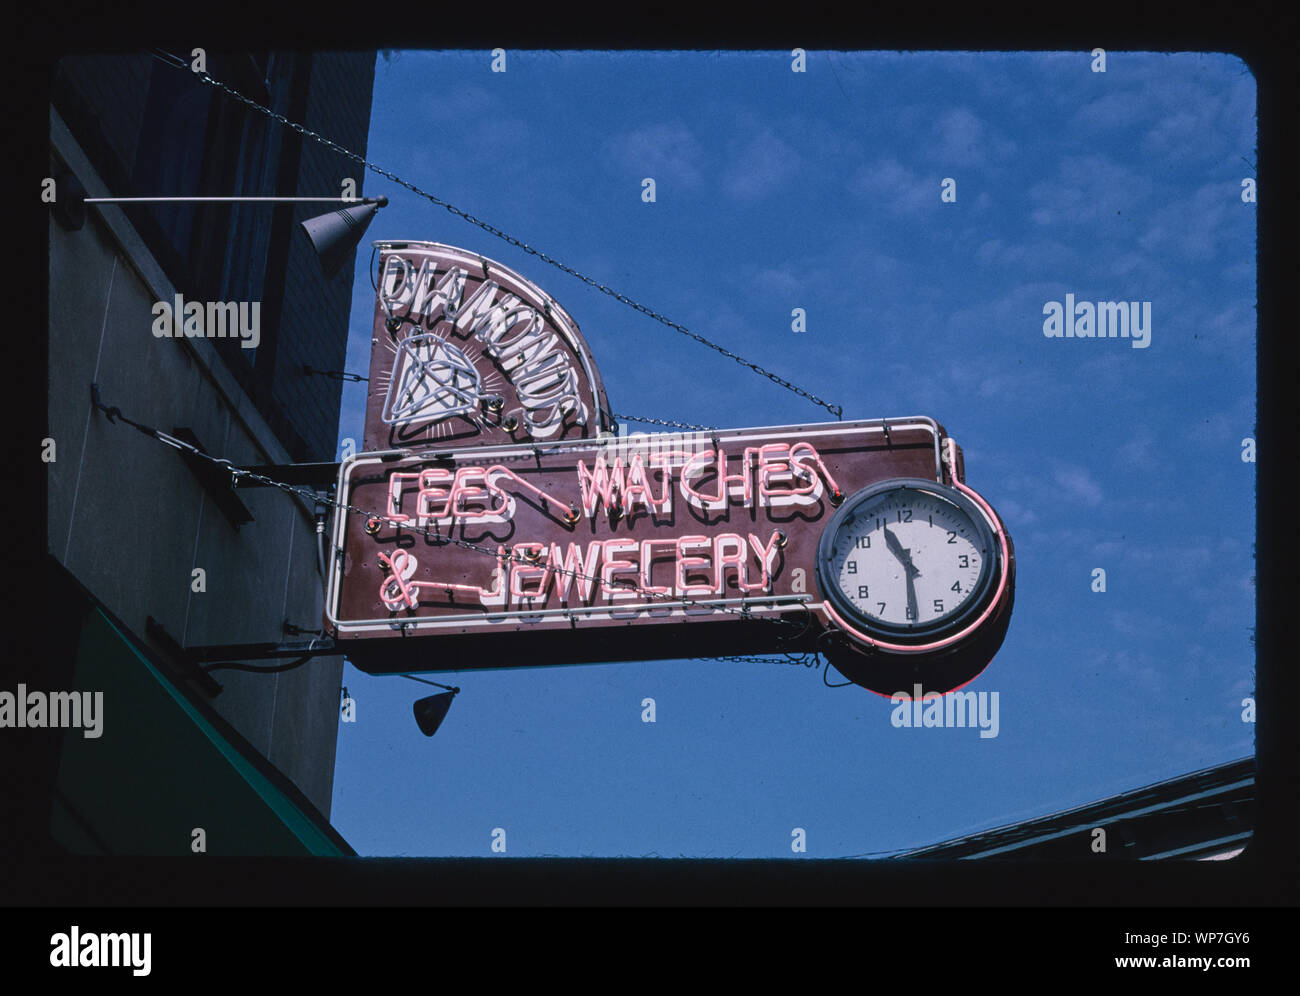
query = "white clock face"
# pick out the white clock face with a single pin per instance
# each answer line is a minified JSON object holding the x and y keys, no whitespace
{"x":908,"y":559}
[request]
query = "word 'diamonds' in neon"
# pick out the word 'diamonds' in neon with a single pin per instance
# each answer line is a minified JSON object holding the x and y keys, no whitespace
{"x":512,"y":332}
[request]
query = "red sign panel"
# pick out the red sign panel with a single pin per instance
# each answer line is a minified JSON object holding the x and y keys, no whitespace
{"x":466,"y":351}
{"x":786,"y":538}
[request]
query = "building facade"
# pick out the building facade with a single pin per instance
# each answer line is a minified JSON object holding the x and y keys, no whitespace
{"x":159,"y":543}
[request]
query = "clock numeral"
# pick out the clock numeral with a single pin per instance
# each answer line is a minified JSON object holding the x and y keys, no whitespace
{"x":853,"y":567}
{"x":882,"y":607}
{"x":938,"y":605}
{"x":910,"y":613}
{"x":963,"y":560}
{"x":881,"y":523}
{"x":956,"y":586}
{"x":862,"y":543}
{"x":862,"y":592}
{"x":904,"y":515}
{"x":930,"y":519}
{"x":952,"y":537}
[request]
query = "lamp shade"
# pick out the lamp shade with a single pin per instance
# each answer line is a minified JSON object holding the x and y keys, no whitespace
{"x":336,"y":234}
{"x":429,"y":713}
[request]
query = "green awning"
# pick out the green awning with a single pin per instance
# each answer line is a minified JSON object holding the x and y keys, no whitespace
{"x":166,"y":765}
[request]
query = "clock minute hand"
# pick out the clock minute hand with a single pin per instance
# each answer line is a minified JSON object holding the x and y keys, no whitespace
{"x":904,"y":556}
{"x":910,"y":573}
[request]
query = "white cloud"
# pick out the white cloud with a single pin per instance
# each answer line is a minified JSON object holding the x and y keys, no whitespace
{"x":1014,"y":514}
{"x":1109,"y":113}
{"x":1196,"y":227}
{"x":760,"y":167}
{"x":1140,"y":450}
{"x":896,"y":187}
{"x":1040,"y":254}
{"x":461,"y":105}
{"x":667,"y":152}
{"x":1078,"y":484}
{"x":1168,"y":108}
{"x":1134,"y":668}
{"x":781,"y":280}
{"x":964,"y":140}
{"x":1086,"y":189}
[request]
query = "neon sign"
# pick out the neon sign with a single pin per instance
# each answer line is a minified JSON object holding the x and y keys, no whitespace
{"x":466,"y":349}
{"x":557,"y":549}
{"x":504,"y":523}
{"x":765,"y":476}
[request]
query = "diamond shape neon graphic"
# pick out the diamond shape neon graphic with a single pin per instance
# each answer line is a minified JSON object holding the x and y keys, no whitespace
{"x":432,"y":380}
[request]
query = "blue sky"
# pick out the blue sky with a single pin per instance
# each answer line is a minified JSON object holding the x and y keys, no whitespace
{"x":821,"y":190}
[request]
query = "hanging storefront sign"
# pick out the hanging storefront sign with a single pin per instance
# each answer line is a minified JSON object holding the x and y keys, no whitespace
{"x":466,"y":351}
{"x":496,"y":520}
{"x":858,"y":539}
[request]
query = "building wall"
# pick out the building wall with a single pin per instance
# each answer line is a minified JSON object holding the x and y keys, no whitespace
{"x":125,"y":514}
{"x":114,"y":93}
{"x":150,"y":129}
{"x":313,"y":325}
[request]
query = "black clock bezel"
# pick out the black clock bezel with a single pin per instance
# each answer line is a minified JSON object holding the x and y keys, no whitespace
{"x":902,"y":633}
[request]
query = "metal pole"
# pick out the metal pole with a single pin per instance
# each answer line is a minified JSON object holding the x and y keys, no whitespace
{"x":382,"y":201}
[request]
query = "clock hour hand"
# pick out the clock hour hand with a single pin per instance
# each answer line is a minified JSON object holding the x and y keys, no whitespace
{"x":904,"y":556}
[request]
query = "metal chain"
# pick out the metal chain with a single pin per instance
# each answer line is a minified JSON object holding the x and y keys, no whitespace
{"x":335,"y":374}
{"x":240,"y":473}
{"x":668,"y":422}
{"x":835,"y":410}
{"x":803,"y":659}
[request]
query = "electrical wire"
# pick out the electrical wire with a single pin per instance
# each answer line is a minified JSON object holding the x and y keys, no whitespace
{"x":234,"y":666}
{"x":827,"y":635}
{"x":334,"y":374}
{"x":838,"y":684}
{"x":834,"y":409}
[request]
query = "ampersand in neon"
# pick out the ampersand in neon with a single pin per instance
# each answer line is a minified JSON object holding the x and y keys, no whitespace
{"x":396,"y":591}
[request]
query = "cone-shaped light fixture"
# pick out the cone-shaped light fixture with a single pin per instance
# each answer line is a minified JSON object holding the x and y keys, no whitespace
{"x":336,"y":234}
{"x":430,"y":712}
{"x":332,"y":235}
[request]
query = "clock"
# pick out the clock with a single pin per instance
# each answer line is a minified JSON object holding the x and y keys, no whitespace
{"x":908,"y":564}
